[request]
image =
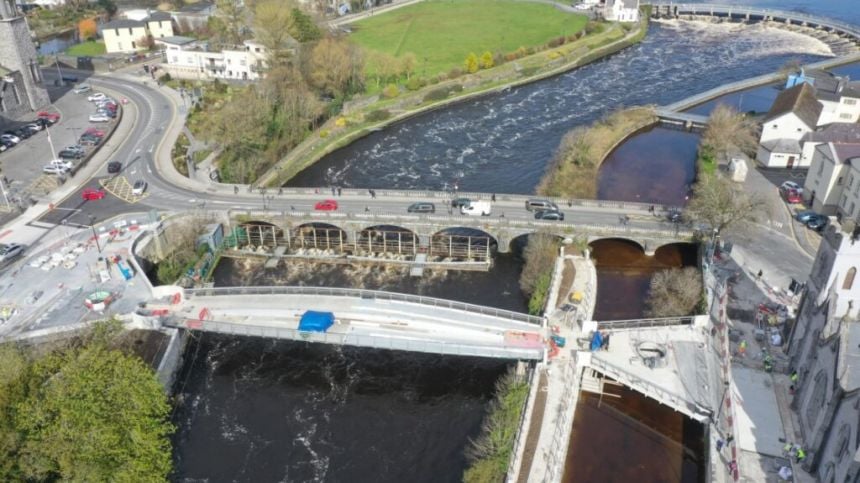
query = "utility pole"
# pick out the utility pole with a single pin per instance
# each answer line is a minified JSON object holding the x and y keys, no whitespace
{"x":95,"y":234}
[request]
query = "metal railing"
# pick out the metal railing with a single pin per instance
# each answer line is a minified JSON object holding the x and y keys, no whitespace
{"x":359,"y":340}
{"x":367,"y":295}
{"x":648,"y":388}
{"x":522,"y":433}
{"x":644,"y":323}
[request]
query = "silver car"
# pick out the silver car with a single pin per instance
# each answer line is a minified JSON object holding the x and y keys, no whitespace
{"x":11,"y":251}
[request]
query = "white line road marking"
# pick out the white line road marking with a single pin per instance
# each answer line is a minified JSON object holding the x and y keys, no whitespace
{"x":192,"y":201}
{"x":68,"y":209}
{"x":218,"y":202}
{"x":151,"y":148}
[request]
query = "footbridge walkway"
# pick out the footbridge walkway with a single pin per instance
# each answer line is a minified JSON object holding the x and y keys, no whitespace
{"x":364,"y":318}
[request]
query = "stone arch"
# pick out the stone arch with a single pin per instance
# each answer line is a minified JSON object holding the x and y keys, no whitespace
{"x":318,"y":235}
{"x":676,"y":252}
{"x":849,"y":278}
{"x":627,"y":241}
{"x":518,"y":243}
{"x":461,"y":241}
{"x":259,"y":233}
{"x":386,"y":239}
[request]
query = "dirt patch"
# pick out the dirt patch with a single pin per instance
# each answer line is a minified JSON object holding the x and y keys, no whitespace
{"x":567,"y":276}
{"x":149,"y":345}
{"x":534,"y":429}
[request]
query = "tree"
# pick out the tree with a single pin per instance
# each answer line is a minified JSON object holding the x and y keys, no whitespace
{"x":231,"y":22}
{"x":487,"y":61}
{"x":728,"y":129}
{"x":273,"y":21}
{"x":108,"y":7}
{"x":147,"y":42}
{"x":336,"y":67}
{"x":87,"y":29}
{"x":408,"y":63}
{"x":539,"y":256}
{"x":304,"y":29}
{"x":674,"y":293}
{"x":719,"y":203}
{"x":471,"y":64}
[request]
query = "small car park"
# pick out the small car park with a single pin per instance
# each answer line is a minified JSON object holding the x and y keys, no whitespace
{"x":549,"y":215}
{"x":540,"y":205}
{"x":114,"y":167}
{"x":10,"y":251}
{"x":139,"y":187}
{"x":326,"y":205}
{"x":422,"y":207}
{"x":99,"y":118}
{"x":92,"y":194}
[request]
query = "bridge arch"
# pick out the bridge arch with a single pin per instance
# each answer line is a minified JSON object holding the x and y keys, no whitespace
{"x":257,"y":233}
{"x":462,"y":242}
{"x":598,"y":242}
{"x":677,"y":253}
{"x":386,"y":239}
{"x":518,"y":243}
{"x":319,"y":235}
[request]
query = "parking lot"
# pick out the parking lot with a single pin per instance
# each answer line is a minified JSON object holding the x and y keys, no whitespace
{"x":22,"y":164}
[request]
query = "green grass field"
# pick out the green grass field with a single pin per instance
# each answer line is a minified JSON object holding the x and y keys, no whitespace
{"x":86,"y":49}
{"x":441,"y":33}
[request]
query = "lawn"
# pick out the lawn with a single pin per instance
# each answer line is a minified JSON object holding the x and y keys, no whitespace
{"x":91,"y":48}
{"x":442,"y":33}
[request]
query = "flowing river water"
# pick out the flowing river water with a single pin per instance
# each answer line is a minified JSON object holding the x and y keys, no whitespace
{"x":262,"y":410}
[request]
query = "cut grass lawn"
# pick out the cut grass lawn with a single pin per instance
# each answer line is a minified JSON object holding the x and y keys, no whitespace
{"x":442,"y":33}
{"x":86,"y":49}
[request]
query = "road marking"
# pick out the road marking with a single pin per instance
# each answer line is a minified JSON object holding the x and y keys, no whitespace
{"x":151,"y":148}
{"x":68,"y":209}
{"x":122,"y":189}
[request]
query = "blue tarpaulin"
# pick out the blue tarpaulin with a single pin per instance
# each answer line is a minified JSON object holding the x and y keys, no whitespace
{"x":596,"y":340}
{"x":316,"y":321}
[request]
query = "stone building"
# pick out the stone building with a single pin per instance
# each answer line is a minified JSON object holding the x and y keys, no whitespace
{"x":21,"y":88}
{"x":825,"y":351}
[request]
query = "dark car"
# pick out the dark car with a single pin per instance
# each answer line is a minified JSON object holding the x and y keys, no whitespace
{"x":114,"y":167}
{"x":804,"y":215}
{"x":422,"y":207}
{"x":71,"y":154}
{"x":549,"y":215}
{"x":674,"y":216}
{"x":89,"y":140}
{"x":458,"y":202}
{"x":817,"y":222}
{"x":21,"y":133}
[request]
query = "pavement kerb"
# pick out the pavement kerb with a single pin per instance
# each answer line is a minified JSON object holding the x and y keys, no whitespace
{"x":794,"y":233}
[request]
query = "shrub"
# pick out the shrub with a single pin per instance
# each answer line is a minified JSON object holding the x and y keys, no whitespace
{"x":391,"y":91}
{"x":553,"y":43}
{"x":341,"y":122}
{"x":499,"y":58}
{"x":530,"y":51}
{"x":521,"y":52}
{"x":487,"y":60}
{"x":471,"y":64}
{"x":456,"y":88}
{"x":553,"y":55}
{"x":165,"y":77}
{"x":593,"y":27}
{"x":572,"y":37}
{"x":455,"y":73}
{"x":415,"y":83}
{"x":510,"y":57}
{"x":433,"y":80}
{"x":436,"y":95}
{"x":377,"y":115}
{"x":324,"y":133}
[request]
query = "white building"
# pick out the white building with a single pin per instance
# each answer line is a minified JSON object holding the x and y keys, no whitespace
{"x":825,"y":350}
{"x":621,"y":10}
{"x":832,"y":184}
{"x":126,"y":35}
{"x":188,"y":59}
{"x":837,"y":132}
{"x":839,"y":96}
{"x":794,"y":113}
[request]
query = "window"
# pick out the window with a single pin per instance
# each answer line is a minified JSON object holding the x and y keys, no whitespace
{"x":242,"y":62}
{"x":851,"y":211}
{"x":816,"y":401}
{"x":839,"y":180}
{"x":849,"y":102}
{"x":849,"y":279}
{"x":775,"y":126}
{"x":841,"y":448}
{"x":130,"y":32}
{"x":119,"y":45}
{"x":133,"y":44}
{"x":845,"y":115}
{"x":843,"y":202}
{"x":174,"y":60}
{"x":820,"y":168}
{"x":799,"y":130}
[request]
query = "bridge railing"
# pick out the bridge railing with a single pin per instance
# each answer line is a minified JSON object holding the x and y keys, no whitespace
{"x":366,"y":295}
{"x":644,"y":323}
{"x":360,"y":340}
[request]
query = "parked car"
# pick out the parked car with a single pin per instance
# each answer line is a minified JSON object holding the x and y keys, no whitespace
{"x":791,"y":195}
{"x":791,"y":185}
{"x":95,"y":131}
{"x":3,"y":147}
{"x":89,"y":140}
{"x":422,"y":207}
{"x":540,"y":205}
{"x":804,"y":215}
{"x":92,"y":194}
{"x":114,"y":167}
{"x":33,"y":127}
{"x":6,"y":144}
{"x":62,"y":163}
{"x":817,"y":222}
{"x":11,"y":138}
{"x":326,"y":205}
{"x":99,"y":118}
{"x":549,"y":215}
{"x":20,"y":133}
{"x":106,"y":112}
{"x":50,"y":117}
{"x":69,"y":153}
{"x":460,"y":202}
{"x":10,"y":251}
{"x":139,"y":187}
{"x":674,"y":216}
{"x":54,"y":169}
{"x":98,"y":96}
{"x":82,"y":88}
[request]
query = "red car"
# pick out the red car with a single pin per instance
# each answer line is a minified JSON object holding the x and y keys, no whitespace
{"x":91,"y":194}
{"x":95,"y":131}
{"x":50,"y":116}
{"x":791,"y":195}
{"x":326,"y":205}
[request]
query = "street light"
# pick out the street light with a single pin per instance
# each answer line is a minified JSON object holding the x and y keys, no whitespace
{"x":95,"y":234}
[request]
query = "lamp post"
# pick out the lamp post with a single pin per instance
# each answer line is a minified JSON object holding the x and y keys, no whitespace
{"x":59,"y":72}
{"x":95,"y":234}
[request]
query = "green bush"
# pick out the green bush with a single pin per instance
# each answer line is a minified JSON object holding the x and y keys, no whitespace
{"x":455,"y":88}
{"x":436,"y":95}
{"x":540,"y":294}
{"x":377,"y":115}
{"x":433,"y":80}
{"x":593,"y":27}
{"x":415,"y":83}
{"x":455,"y":73}
{"x":391,"y":91}
{"x":529,"y":71}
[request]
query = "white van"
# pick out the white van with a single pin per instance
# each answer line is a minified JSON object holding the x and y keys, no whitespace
{"x":476,"y":208}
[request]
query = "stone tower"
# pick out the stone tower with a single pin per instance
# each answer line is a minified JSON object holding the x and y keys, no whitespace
{"x":18,"y":58}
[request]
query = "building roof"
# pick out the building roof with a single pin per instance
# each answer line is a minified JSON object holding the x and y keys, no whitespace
{"x":782,"y":145}
{"x":837,"y":132}
{"x":845,"y":152}
{"x":176,"y":40}
{"x":630,"y":4}
{"x":800,"y":100}
{"x":831,"y":87}
{"x":158,"y":17}
{"x":122,"y":23}
{"x":196,"y":7}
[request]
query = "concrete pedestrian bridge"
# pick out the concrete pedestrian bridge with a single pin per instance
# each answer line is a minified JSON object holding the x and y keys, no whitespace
{"x":364,"y":318}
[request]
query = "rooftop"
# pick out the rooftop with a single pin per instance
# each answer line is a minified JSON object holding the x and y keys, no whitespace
{"x":837,"y":132}
{"x":800,"y":100}
{"x":122,"y":23}
{"x":176,"y":40}
{"x":782,"y":145}
{"x":158,"y":17}
{"x":845,"y":152}
{"x":196,"y":7}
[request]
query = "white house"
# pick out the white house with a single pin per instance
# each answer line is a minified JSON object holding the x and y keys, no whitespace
{"x":837,"y":132}
{"x":126,"y":35}
{"x":839,"y":96}
{"x":188,"y":59}
{"x":794,"y":113}
{"x":833,"y":182}
{"x":621,"y":10}
{"x":824,"y":345}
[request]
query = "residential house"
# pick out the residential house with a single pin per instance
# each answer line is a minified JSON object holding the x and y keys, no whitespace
{"x":837,"y":132}
{"x":127,"y":35}
{"x":794,"y":113}
{"x":189,"y":59}
{"x":621,"y":10}
{"x":832,"y":184}
{"x":839,"y":96}
{"x":824,"y":346}
{"x":193,"y":16}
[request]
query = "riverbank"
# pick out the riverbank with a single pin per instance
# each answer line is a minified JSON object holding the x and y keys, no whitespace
{"x":352,"y":125}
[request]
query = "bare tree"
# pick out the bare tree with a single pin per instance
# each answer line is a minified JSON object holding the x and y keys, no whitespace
{"x":674,"y":293}
{"x":336,"y":67}
{"x":273,"y":21}
{"x":728,"y":129}
{"x":539,"y":255}
{"x":719,"y":203}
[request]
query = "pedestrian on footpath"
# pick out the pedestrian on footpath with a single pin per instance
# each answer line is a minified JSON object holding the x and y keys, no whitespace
{"x":493,"y":197}
{"x":720,"y":444}
{"x":339,"y":191}
{"x":733,"y":466}
{"x":759,"y":275}
{"x":235,"y":190}
{"x":799,"y":455}
{"x":333,"y":191}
